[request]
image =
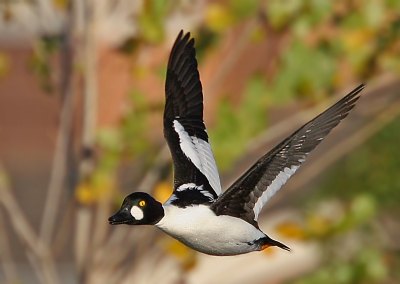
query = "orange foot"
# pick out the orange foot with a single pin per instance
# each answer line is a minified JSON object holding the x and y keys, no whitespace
{"x":264,"y":246}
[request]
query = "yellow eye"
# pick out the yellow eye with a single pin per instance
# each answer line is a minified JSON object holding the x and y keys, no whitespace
{"x":142,"y":203}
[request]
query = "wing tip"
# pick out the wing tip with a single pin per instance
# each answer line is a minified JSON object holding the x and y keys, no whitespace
{"x":360,"y":87}
{"x":352,"y":97}
{"x":183,"y":37}
{"x":355,"y":93}
{"x":348,"y":102}
{"x":357,"y":90}
{"x":183,"y":42}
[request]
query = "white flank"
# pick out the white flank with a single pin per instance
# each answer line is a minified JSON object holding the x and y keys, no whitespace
{"x":137,"y":213}
{"x":200,"y":154}
{"x":198,"y":227}
{"x":276,"y":184}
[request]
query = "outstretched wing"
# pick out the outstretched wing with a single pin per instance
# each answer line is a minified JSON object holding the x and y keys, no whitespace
{"x":196,"y":177}
{"x":246,"y":197}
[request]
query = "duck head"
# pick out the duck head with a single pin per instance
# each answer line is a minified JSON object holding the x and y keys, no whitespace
{"x":138,"y":208}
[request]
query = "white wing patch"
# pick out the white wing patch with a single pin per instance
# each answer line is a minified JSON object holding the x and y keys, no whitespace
{"x":200,"y":154}
{"x":186,"y":186}
{"x":275,"y":185}
{"x":192,"y":186}
{"x":189,"y":186}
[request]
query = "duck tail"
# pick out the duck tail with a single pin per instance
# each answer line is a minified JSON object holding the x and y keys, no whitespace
{"x":268,"y":242}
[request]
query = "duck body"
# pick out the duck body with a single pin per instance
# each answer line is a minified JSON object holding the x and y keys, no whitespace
{"x":200,"y":228}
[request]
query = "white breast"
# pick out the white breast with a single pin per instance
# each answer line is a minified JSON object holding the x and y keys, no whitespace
{"x":199,"y":228}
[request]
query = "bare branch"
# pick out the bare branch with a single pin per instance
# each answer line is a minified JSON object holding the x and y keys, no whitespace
{"x":81,"y":242}
{"x":83,"y":246}
{"x":25,"y":232}
{"x":7,"y":261}
{"x":57,"y":177}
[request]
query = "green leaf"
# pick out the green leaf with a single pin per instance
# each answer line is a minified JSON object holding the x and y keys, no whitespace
{"x":305,"y":71}
{"x":237,"y":125}
{"x":354,"y":172}
{"x":373,"y":12}
{"x":281,"y":13}
{"x":135,"y":126}
{"x":151,"y":21}
{"x":243,"y":9}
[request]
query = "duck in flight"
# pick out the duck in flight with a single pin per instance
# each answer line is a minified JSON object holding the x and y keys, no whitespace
{"x":197,"y":213}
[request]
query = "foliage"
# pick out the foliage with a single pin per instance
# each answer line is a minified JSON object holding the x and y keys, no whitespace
{"x":4,"y":65}
{"x":360,"y":197}
{"x":219,"y":17}
{"x":330,"y":43}
{"x":40,"y":63}
{"x":236,"y":125}
{"x":368,"y":266}
{"x":129,"y":142}
{"x":151,"y":20}
{"x":380,"y":153}
{"x":132,"y":137}
{"x":299,"y":68}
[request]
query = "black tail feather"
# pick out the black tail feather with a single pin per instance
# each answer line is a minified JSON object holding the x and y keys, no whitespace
{"x":268,"y":242}
{"x":279,"y":244}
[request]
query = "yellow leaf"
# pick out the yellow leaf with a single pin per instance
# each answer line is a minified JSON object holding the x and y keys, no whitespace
{"x":185,"y":255}
{"x":61,"y":4}
{"x":84,"y":194}
{"x":218,"y":17}
{"x":357,"y":39}
{"x":98,"y":187}
{"x":140,"y":72}
{"x":4,"y":64}
{"x":318,"y":225}
{"x":291,"y":230}
{"x":162,"y":191}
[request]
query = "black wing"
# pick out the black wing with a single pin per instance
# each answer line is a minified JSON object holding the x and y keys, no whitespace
{"x":246,"y":197}
{"x":196,"y":177}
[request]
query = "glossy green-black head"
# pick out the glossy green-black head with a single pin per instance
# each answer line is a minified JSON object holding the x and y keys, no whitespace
{"x":138,"y":208}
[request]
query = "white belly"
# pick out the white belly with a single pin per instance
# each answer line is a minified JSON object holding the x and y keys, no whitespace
{"x":199,"y":228}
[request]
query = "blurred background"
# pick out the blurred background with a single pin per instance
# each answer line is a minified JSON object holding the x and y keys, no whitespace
{"x":81,"y":102}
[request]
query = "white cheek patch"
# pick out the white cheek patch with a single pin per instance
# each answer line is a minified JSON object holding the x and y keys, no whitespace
{"x":137,"y":213}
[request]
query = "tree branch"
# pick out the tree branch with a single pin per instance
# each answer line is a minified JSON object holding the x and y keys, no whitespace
{"x":26,"y":234}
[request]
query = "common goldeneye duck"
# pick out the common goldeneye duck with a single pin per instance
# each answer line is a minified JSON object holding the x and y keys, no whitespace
{"x":197,"y":213}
